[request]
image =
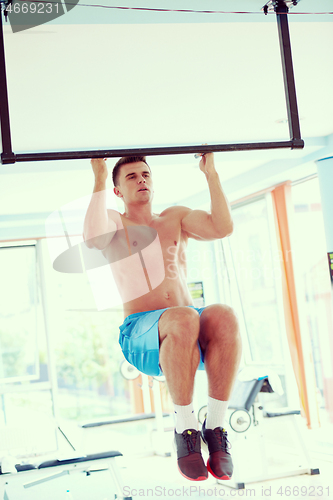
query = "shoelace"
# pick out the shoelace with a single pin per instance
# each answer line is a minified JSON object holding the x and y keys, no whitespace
{"x":222,"y":438}
{"x":191,"y":440}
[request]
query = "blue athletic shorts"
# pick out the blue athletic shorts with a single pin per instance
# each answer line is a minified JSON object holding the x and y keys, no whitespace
{"x":139,"y":341}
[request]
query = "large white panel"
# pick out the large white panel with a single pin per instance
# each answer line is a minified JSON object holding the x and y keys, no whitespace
{"x":103,"y":86}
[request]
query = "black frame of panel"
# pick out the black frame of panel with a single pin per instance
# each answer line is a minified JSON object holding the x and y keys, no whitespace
{"x":295,"y":142}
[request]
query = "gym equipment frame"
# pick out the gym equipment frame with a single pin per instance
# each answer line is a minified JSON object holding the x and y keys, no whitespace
{"x":281,"y":8}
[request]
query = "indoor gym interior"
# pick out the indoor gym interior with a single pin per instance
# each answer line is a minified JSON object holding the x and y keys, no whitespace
{"x":106,"y":78}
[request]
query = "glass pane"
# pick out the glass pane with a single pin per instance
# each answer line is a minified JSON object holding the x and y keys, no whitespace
{"x":30,"y":406}
{"x":86,"y":350}
{"x":256,"y":271}
{"x":88,"y":359}
{"x":314,"y":280}
{"x":18,"y":314}
{"x":27,"y":425}
{"x":202,"y":272}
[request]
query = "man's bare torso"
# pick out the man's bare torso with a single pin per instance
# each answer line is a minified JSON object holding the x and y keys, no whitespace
{"x":153,"y":273}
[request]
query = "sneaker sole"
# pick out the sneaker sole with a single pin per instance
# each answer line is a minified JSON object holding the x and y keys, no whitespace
{"x":200,"y":478}
{"x":224,"y":478}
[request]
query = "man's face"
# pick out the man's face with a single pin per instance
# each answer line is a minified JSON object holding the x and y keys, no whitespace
{"x":135,"y":183}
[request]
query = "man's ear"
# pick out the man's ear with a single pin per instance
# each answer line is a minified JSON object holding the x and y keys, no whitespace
{"x":117,"y":192}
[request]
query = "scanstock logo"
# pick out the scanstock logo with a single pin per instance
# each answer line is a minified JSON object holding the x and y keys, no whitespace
{"x":26,"y":14}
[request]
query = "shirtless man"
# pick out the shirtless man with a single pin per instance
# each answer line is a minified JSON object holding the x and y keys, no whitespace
{"x":163,"y":332}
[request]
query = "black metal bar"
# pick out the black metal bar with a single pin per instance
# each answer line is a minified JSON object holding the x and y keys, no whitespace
{"x":7,"y":153}
{"x":158,"y":151}
{"x":281,"y":10}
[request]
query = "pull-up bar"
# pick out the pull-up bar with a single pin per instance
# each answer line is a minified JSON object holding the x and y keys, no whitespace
{"x":281,"y":9}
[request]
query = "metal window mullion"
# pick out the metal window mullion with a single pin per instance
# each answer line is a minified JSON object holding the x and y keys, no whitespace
{"x":48,"y":332}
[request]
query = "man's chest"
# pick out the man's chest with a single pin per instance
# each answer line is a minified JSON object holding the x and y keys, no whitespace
{"x":164,"y":236}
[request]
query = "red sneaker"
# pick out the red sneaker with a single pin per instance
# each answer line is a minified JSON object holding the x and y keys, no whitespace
{"x":219,"y":463}
{"x":190,"y":461}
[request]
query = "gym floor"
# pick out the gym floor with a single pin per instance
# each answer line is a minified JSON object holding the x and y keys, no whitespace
{"x":148,"y":473}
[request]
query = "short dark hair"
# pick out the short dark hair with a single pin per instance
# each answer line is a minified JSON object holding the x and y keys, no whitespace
{"x":124,"y":161}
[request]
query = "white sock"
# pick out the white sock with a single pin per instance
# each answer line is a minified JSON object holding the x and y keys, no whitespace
{"x":215,"y":413}
{"x":185,"y":418}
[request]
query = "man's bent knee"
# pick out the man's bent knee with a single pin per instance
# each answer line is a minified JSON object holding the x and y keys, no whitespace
{"x":219,"y":321}
{"x":177,"y":320}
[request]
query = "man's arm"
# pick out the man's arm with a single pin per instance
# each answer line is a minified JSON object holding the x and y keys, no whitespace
{"x":99,"y":227}
{"x":218,"y":223}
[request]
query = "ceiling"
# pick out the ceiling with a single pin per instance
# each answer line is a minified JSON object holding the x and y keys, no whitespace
{"x":106,"y":78}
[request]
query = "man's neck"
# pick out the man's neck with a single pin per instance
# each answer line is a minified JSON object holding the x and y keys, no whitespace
{"x":140,"y":214}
